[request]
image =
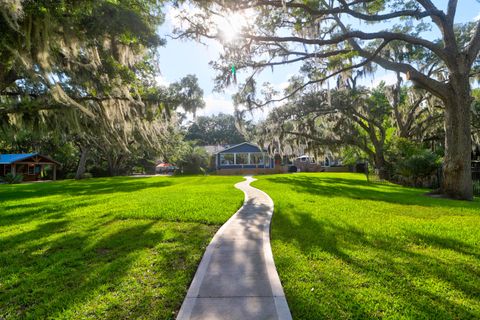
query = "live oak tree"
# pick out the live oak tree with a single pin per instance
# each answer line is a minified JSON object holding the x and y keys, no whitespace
{"x":322,"y":119}
{"x":215,"y":129}
{"x":417,"y":115}
{"x":320,"y":33}
{"x":109,"y":137}
{"x":74,"y":54}
{"x":87,"y":69}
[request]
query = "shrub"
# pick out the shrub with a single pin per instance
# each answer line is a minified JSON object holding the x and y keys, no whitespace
{"x":12,"y":179}
{"x":194,"y":160}
{"x":70,"y":175}
{"x":412,"y":164}
{"x":476,"y":187}
{"x":421,"y":165}
{"x":87,"y":175}
{"x":138,"y":170}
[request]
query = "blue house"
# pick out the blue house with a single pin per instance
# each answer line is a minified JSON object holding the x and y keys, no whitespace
{"x":243,"y":157}
{"x":31,"y":166}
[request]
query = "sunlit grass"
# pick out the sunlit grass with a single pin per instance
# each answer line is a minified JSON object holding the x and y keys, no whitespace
{"x":113,"y":248}
{"x":347,"y":249}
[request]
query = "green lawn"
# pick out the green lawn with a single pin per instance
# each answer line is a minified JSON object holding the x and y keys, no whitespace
{"x":113,"y":248}
{"x":347,"y":249}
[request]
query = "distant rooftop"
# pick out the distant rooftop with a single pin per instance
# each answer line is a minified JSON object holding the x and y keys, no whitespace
{"x":11,"y":158}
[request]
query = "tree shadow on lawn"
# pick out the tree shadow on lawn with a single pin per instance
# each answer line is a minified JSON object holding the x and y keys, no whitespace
{"x":366,"y":275}
{"x":45,"y":210}
{"x":76,"y":194}
{"x":72,"y":188}
{"x":50,"y":271}
{"x":363,"y":190}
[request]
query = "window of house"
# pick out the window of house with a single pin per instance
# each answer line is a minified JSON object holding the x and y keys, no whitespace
{"x":226,"y":158}
{"x":242,"y":158}
{"x":31,"y":170}
{"x":267,"y":162}
{"x":256,"y":158}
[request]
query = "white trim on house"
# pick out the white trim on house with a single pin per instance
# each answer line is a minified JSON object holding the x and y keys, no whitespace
{"x":250,"y":158}
{"x":240,"y":144}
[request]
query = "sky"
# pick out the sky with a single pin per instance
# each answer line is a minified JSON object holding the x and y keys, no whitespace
{"x":179,"y":58}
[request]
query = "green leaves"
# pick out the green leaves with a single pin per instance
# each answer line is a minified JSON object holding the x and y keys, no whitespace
{"x":215,"y":130}
{"x":86,"y":69}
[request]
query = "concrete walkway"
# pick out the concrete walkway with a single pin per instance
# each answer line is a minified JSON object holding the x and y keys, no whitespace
{"x":237,"y":278}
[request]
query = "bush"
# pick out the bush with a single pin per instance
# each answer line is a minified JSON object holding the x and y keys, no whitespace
{"x":12,"y":179}
{"x":194,"y":160}
{"x":420,"y":165}
{"x":412,"y":164}
{"x":70,"y":175}
{"x":476,"y":187}
{"x":138,"y":170}
{"x":87,"y":175}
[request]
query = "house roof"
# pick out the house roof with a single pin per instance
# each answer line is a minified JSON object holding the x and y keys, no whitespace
{"x":243,"y":147}
{"x":12,"y":158}
{"x":165,"y":165}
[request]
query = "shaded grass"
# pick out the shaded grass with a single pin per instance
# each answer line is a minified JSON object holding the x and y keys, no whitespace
{"x":111,"y":248}
{"x":347,"y":249}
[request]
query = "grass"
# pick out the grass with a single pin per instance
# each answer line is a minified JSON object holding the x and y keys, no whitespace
{"x":348,"y":249}
{"x":113,"y":248}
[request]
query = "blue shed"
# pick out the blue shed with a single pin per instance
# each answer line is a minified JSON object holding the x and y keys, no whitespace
{"x":244,"y":156}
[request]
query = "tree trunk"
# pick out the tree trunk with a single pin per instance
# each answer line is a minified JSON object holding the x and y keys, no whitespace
{"x":457,"y":171}
{"x":82,"y":163}
{"x":114,"y":164}
{"x":380,"y":165}
{"x":111,"y":165}
{"x":379,"y":155}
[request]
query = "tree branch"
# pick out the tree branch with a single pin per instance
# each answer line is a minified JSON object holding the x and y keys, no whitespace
{"x":412,"y":74}
{"x":304,"y":56}
{"x":348,"y":35}
{"x":452,"y":9}
{"x":344,"y":9}
{"x":366,"y":61}
{"x":473,"y":47}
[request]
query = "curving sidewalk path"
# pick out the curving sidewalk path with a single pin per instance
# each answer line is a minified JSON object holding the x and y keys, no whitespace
{"x":237,"y":278}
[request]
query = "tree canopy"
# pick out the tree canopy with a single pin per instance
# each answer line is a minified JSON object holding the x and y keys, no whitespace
{"x":87,"y":71}
{"x":214,"y":130}
{"x":328,"y":39}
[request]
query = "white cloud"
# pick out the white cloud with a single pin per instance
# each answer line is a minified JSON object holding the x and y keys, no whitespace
{"x":161,"y":80}
{"x":477,"y":18}
{"x":389,"y":78}
{"x":216,"y":103}
{"x":282,"y":86}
